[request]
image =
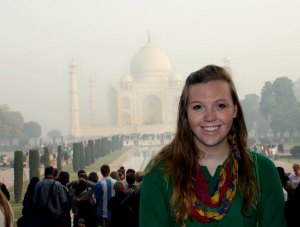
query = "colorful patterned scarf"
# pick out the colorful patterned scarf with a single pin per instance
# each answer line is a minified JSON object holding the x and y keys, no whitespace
{"x":206,"y":208}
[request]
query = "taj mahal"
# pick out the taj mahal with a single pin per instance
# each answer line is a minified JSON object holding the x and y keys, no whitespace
{"x":145,"y":101}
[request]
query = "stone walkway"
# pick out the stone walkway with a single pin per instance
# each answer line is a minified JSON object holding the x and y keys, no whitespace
{"x":7,"y":176}
{"x":116,"y":164}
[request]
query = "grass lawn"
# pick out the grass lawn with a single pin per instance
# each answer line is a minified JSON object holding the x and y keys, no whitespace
{"x":95,"y":167}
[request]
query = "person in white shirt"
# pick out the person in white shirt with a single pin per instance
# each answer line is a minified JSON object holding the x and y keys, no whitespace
{"x":295,"y":176}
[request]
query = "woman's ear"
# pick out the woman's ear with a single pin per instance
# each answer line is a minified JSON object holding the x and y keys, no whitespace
{"x":235,"y":111}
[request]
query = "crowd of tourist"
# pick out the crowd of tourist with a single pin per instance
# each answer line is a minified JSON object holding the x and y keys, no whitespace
{"x":270,"y":150}
{"x":110,"y":200}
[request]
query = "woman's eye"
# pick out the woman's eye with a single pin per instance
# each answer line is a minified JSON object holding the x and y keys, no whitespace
{"x":221,"y":106}
{"x":197,"y":107}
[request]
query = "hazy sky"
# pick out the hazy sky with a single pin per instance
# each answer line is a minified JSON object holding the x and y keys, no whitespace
{"x":39,"y":39}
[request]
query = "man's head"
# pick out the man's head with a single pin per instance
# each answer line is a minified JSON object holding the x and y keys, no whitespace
{"x":139,"y":176}
{"x":80,"y":172}
{"x":49,"y":171}
{"x":121,"y":173}
{"x":105,"y":170}
{"x":130,"y":178}
{"x":296,"y":168}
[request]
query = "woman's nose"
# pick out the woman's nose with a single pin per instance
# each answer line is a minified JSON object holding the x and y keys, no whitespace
{"x":210,"y":114}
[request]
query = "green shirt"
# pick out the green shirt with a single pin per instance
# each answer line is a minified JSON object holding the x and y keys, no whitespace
{"x":155,"y":209}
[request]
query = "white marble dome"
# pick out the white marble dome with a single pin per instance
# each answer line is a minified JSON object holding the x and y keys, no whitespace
{"x":150,"y":63}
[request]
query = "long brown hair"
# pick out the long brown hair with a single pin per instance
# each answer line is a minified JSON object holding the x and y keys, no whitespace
{"x":8,"y":215}
{"x":120,"y":188}
{"x":181,"y":156}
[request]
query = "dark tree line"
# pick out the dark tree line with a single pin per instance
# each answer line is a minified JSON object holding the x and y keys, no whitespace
{"x":277,"y":111}
{"x":13,"y":127}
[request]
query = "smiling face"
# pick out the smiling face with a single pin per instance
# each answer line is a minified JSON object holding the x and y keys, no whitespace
{"x":210,"y":113}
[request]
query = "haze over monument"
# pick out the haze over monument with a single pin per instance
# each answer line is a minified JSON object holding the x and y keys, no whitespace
{"x":144,"y":101}
{"x":39,"y":40}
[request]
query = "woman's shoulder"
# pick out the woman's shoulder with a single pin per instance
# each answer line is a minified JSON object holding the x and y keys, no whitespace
{"x":261,"y":159}
{"x":155,"y":168}
{"x":156,"y":172}
{"x":157,"y":181}
{"x":264,"y":166}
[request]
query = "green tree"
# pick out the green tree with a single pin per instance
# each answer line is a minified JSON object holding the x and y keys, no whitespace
{"x":104,"y":149}
{"x":297,"y":123}
{"x":66,"y":156}
{"x":114,"y":145}
{"x":59,"y":158}
{"x":11,"y":123}
{"x":46,"y":157}
{"x":120,"y":141}
{"x":18,"y":176}
{"x":81,"y":156}
{"x":97,"y":148}
{"x":251,"y":110}
{"x":31,"y":130}
{"x":4,"y":112}
{"x":91,"y":146}
{"x":34,"y":163}
{"x":75,"y":160}
{"x":267,"y":102}
{"x":286,"y":113}
{"x":87,"y":155}
{"x":54,"y":134}
{"x":262,"y":126}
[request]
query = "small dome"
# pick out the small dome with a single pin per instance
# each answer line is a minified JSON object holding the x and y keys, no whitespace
{"x":150,"y":63}
{"x":127,"y":78}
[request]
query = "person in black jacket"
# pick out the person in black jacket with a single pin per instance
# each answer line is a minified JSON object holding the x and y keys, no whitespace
{"x":29,"y":211}
{"x":131,"y":203}
{"x":118,"y":215}
{"x":51,"y":200}
{"x":292,"y":209}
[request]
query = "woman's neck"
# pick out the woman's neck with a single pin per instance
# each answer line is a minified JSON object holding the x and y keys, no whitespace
{"x":213,"y":157}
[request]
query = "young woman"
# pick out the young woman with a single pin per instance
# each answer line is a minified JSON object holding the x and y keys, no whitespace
{"x":206,"y":176}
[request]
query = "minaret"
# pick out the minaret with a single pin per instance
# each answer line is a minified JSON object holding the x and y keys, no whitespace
{"x":227,"y":61}
{"x":92,"y":102}
{"x":227,"y":64}
{"x":149,"y":37}
{"x":74,"y":102}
